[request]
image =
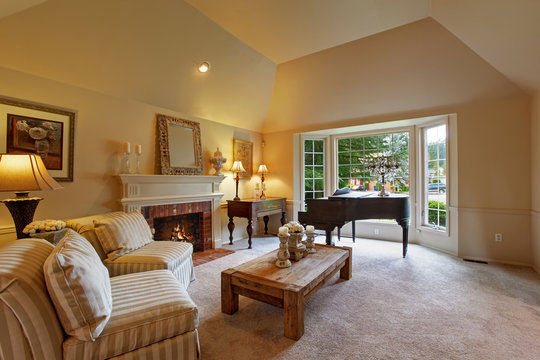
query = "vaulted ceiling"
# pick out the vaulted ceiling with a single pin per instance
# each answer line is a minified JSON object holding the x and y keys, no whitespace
{"x":505,"y":33}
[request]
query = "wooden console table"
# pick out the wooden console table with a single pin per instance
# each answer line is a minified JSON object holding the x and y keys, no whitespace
{"x":255,"y":208}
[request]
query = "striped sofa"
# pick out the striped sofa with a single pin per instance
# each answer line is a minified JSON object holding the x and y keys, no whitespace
{"x":152,"y":316}
{"x":170,"y":255}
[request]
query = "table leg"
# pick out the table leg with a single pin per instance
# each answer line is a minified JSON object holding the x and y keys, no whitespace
{"x":346,"y":271}
{"x":283,"y":218}
{"x":249,"y":229}
{"x":293,"y":314}
{"x":404,"y":223}
{"x":229,"y":300}
{"x":231,"y":229}
{"x":265,"y":219}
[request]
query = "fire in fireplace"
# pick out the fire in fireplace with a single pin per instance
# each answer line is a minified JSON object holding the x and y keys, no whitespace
{"x":184,"y":227}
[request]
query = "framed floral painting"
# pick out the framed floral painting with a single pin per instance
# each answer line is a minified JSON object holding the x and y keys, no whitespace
{"x":27,"y":128}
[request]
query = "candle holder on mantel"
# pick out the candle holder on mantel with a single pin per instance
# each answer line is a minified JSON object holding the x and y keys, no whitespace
{"x":125,"y":167}
{"x":383,"y":166}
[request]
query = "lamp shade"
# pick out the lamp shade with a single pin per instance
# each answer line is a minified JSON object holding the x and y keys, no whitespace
{"x":237,"y":167}
{"x":262,"y":169}
{"x":22,"y":173}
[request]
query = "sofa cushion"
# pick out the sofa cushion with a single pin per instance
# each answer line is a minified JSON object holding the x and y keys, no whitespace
{"x":148,"y":307}
{"x":29,"y":327}
{"x":79,"y":286}
{"x":122,"y":233}
{"x":170,"y":255}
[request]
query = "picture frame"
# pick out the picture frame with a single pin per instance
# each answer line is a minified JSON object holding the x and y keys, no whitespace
{"x":179,"y":143}
{"x":29,"y":128}
{"x":243,"y":151}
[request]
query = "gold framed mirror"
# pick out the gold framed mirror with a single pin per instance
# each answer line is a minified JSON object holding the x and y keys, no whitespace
{"x":179,"y":143}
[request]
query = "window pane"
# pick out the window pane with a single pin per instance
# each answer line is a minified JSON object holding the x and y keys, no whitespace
{"x":318,"y":159}
{"x":435,"y":177}
{"x":344,"y":144}
{"x":318,"y":146}
{"x":308,"y":159}
{"x":319,"y":194}
{"x":344,"y":171}
{"x":442,"y":218}
{"x":318,"y":172}
{"x":308,"y":145}
{"x":442,"y":150}
{"x":433,"y":217}
{"x":357,"y":144}
{"x":319,"y":185}
{"x":308,"y":195}
{"x":308,"y":174}
{"x":370,"y":142}
{"x":309,"y":185}
{"x":344,"y":158}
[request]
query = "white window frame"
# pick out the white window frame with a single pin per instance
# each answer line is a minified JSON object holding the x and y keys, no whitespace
{"x":422,"y":194}
{"x":325,"y":165}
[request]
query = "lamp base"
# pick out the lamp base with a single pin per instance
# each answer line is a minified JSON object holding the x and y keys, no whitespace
{"x":22,"y":210}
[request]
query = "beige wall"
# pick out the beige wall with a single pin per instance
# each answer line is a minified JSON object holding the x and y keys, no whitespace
{"x":145,"y":51}
{"x":535,"y":180}
{"x":414,"y":71}
{"x":102,"y":123}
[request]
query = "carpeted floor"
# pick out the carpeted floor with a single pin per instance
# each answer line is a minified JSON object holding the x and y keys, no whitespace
{"x":427,"y":306}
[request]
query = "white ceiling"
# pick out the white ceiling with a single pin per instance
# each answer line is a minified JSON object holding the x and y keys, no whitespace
{"x":506,"y":33}
{"x":8,"y":7}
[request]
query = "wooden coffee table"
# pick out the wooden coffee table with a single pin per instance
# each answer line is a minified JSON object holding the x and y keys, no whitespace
{"x":287,"y":288}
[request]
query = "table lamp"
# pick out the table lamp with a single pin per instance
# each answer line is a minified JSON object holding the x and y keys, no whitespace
{"x":21,"y":174}
{"x":238,"y":168}
{"x":262,"y":170}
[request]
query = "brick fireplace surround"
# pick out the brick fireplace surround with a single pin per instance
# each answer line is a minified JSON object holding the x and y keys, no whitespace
{"x":158,"y":196}
{"x":203,"y":208}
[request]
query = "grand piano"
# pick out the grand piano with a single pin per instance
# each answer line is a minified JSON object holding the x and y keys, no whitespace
{"x":337,"y":210}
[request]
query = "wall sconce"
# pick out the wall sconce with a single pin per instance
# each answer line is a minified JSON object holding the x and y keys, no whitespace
{"x":22,"y":174}
{"x":262,"y":170}
{"x":204,"y":67}
{"x":237,"y":166}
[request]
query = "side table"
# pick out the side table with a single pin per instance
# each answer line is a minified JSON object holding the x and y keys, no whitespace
{"x":255,"y":208}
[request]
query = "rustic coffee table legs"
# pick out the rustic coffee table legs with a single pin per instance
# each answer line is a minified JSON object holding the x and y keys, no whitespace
{"x":293,"y":312}
{"x":229,"y":300}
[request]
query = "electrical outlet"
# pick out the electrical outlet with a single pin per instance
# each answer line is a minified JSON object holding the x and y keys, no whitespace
{"x":498,"y":237}
{"x":376,"y":231}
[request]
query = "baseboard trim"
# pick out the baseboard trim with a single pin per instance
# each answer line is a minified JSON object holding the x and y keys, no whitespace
{"x":503,"y":262}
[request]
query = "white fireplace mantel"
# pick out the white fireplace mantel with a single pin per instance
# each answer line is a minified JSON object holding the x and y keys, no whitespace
{"x":147,"y":190}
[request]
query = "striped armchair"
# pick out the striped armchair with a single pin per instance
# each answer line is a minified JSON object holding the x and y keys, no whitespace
{"x":173,"y":256}
{"x":162,"y":324}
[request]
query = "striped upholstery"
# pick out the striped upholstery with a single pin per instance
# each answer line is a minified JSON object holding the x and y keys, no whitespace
{"x":85,"y":227}
{"x":29,"y":327}
{"x":148,"y":307}
{"x":163,"y":251}
{"x":123,"y":233}
{"x":171,"y":255}
{"x":185,"y":346}
{"x":79,"y":286}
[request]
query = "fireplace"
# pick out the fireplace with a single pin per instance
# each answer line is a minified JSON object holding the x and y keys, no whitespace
{"x":163,"y":196}
{"x":191,"y":222}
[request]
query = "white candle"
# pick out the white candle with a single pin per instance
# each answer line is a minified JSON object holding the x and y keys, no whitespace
{"x":310,"y":228}
{"x":138,"y":149}
{"x":126,"y":146}
{"x":283,"y":230}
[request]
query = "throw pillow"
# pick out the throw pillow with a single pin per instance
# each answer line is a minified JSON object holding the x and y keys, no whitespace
{"x":79,"y":286}
{"x":342,"y":191}
{"x":122,"y":233}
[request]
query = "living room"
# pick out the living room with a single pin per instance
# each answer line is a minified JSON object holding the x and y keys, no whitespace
{"x":118,"y":65}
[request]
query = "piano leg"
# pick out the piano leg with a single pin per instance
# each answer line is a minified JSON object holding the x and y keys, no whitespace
{"x":353,"y":231}
{"x":339,"y":233}
{"x":404,"y":223}
{"x":283,"y":218}
{"x":328,"y":230}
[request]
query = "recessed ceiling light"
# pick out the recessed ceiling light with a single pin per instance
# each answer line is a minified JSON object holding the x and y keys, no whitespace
{"x":204,"y":67}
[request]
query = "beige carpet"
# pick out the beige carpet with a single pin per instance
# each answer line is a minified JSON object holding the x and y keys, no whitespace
{"x":427,"y":306}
